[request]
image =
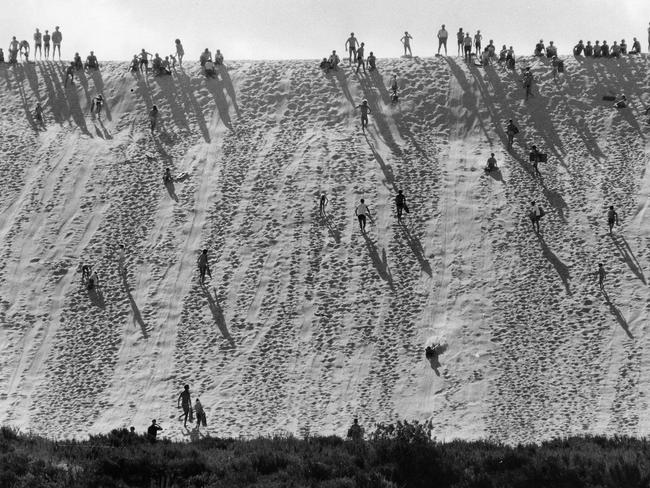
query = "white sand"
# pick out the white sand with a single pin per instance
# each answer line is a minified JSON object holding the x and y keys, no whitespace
{"x":306,"y":323}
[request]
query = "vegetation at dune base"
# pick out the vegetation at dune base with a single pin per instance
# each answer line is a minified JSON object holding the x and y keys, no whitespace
{"x":394,"y":455}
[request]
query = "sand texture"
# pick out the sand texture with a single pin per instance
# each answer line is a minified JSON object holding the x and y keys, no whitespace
{"x":306,"y":322}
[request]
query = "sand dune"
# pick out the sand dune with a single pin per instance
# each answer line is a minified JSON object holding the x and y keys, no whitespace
{"x":305,"y":321}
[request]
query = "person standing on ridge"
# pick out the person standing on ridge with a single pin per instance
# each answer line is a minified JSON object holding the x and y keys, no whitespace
{"x":511,"y":130}
{"x":144,"y":60}
{"x":351,"y":46}
{"x":362,"y":212}
{"x":467,"y":42}
{"x":442,"y":38}
{"x":612,"y":218}
{"x":152,"y":431}
{"x":460,"y":37}
{"x":323,"y":203}
{"x":400,"y":203}
{"x":38,"y":38}
{"x":185,"y":400}
{"x":406,"y":42}
{"x":46,"y":43}
{"x":365,"y":110}
{"x":203,"y":265}
{"x":477,"y":42}
{"x":180,"y":52}
{"x":57,"y":37}
{"x":360,"y":61}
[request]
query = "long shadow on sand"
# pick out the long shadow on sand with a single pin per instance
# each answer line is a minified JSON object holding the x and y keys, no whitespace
{"x":137,"y":316}
{"x":97,"y":297}
{"x":379,"y":262}
{"x":561,"y":268}
{"x":629,"y":257}
{"x":217,"y":313}
{"x":617,"y":314}
{"x":417,"y":249}
{"x":191,"y":105}
{"x":332,"y":228}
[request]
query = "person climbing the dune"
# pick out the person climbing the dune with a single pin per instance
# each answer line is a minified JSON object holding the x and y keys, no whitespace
{"x":393,"y":88}
{"x":38,"y":114}
{"x":167,"y":177}
{"x":185,"y":400}
{"x":323,"y":203}
{"x":362,"y":212}
{"x":612,"y":218}
{"x":400,"y":204}
{"x":96,"y":105}
{"x":601,"y":273}
{"x":535,"y":213}
{"x":528,"y":82}
{"x":351,"y":46}
{"x":535,"y":158}
{"x":365,"y":110}
{"x":153,"y":117}
{"x":203,"y":265}
{"x":511,"y":131}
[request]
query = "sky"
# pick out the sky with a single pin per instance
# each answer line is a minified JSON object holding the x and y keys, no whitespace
{"x":311,"y":29}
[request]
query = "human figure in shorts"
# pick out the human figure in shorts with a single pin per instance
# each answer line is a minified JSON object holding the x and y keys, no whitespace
{"x":535,"y":213}
{"x":612,"y":218}
{"x":406,"y":42}
{"x":511,"y":131}
{"x":38,"y":43}
{"x":535,"y":158}
{"x":97,"y":105}
{"x":185,"y":400}
{"x":477,"y":42}
{"x":467,"y":42}
{"x":351,"y":46}
{"x":203,"y":265}
{"x":46,"y":43}
{"x":121,"y":258}
{"x":362,"y":212}
{"x":365,"y":110}
{"x":360,"y":60}
{"x":153,"y":118}
{"x":57,"y":37}
{"x":443,"y":35}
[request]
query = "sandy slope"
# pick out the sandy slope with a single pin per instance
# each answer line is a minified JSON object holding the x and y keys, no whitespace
{"x":306,"y":322}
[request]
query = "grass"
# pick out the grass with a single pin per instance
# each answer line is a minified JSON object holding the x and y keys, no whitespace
{"x":394,"y":455}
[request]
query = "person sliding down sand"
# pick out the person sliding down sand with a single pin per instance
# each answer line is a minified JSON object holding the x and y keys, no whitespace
{"x":204,"y":266}
{"x":362,"y":212}
{"x":365,"y":110}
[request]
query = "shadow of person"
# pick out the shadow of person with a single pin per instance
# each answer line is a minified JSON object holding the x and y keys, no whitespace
{"x":629,"y":257}
{"x":495,"y":174}
{"x":416,"y":247}
{"x":617,"y":315}
{"x":106,"y":133}
{"x":385,"y":168}
{"x":97,"y":297}
{"x":380,"y":263}
{"x":332,"y":228}
{"x":230,"y":89}
{"x":217,"y":313}
{"x":171,"y":189}
{"x":137,"y":316}
{"x":561,"y":268}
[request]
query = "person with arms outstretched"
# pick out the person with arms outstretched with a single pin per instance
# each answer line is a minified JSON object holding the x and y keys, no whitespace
{"x":185,"y":400}
{"x":351,"y":46}
{"x":406,"y":42}
{"x":362,"y":212}
{"x":365,"y":110}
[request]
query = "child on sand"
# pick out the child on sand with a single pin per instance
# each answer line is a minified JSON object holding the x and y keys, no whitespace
{"x":612,"y":218}
{"x":365,"y":110}
{"x":528,"y":82}
{"x":372,"y":60}
{"x":535,"y":213}
{"x":362,"y":212}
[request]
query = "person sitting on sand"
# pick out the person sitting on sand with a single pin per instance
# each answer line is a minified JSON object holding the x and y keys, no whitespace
{"x":77,"y":63}
{"x":206,"y":56}
{"x":209,"y":69}
{"x":156,"y":65}
{"x":166,"y":66}
{"x":218,"y":58}
{"x":604,"y":49}
{"x":134,"y":66}
{"x":324,"y":64}
{"x":589,"y":50}
{"x":372,"y":60}
{"x":615,"y":51}
{"x":539,"y":48}
{"x":334,"y":60}
{"x":636,"y":47}
{"x":24,"y":49}
{"x":69,"y":74}
{"x":91,"y":61}
{"x":431,"y":351}
{"x":491,"y":164}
